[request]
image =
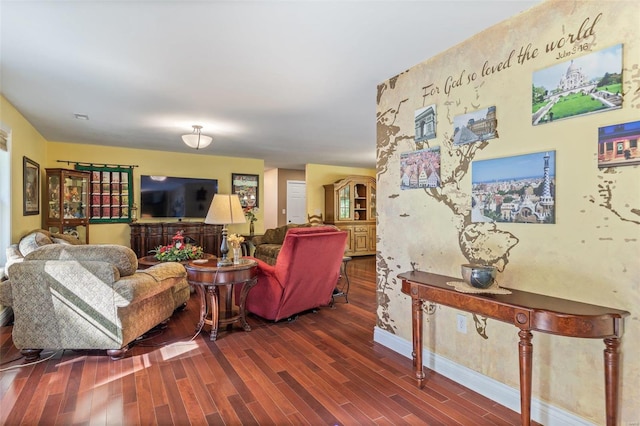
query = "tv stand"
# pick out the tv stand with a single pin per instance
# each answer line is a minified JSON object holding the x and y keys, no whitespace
{"x":149,"y":235}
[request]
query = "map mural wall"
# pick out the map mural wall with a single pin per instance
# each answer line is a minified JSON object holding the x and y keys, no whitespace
{"x":569,"y":228}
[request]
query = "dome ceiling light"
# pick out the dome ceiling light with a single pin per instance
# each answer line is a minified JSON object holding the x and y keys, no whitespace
{"x":196,"y":139}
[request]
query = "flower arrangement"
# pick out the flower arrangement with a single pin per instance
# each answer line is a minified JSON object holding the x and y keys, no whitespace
{"x":250,"y":213}
{"x":235,"y":240}
{"x":177,"y":251}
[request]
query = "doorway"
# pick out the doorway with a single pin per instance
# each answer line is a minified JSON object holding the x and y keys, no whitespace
{"x":296,"y":201}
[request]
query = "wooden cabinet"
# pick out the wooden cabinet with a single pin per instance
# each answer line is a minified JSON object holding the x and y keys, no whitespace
{"x":350,"y":204}
{"x":67,"y":203}
{"x":148,"y":236}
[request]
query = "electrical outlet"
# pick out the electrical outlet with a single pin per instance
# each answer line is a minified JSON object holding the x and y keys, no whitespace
{"x":462,"y":323}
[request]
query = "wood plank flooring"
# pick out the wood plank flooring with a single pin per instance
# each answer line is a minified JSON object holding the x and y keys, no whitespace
{"x":321,"y":369}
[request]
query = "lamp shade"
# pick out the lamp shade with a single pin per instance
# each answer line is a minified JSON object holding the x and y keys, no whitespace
{"x":197,"y":141}
{"x":225,"y":209}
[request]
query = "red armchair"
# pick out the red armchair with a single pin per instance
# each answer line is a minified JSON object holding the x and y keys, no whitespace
{"x":304,"y":276}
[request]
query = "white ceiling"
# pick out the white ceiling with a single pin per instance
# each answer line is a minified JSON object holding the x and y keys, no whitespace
{"x":290,"y":82}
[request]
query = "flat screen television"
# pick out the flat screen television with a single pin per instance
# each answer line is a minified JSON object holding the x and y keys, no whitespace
{"x":165,"y":196}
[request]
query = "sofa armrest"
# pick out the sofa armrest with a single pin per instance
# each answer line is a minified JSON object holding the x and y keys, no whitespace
{"x":264,"y":267}
{"x":6,"y":299}
{"x":13,"y":256}
{"x":257,"y":240}
{"x":164,"y":270}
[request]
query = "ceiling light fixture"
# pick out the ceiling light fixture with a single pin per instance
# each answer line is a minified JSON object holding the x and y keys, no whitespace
{"x":196,"y":139}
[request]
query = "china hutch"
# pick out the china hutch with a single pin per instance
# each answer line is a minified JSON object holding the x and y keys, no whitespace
{"x":67,"y":203}
{"x":350,"y":204}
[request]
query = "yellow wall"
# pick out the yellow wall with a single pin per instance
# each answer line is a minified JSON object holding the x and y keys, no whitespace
{"x":154,"y":163}
{"x":28,"y":142}
{"x":591,"y":253}
{"x":25,"y":141}
{"x":318,"y":175}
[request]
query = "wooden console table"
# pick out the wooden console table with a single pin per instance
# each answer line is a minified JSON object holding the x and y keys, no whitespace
{"x":529,"y":312}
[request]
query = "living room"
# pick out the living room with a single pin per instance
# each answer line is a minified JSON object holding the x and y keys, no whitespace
{"x":589,"y":253}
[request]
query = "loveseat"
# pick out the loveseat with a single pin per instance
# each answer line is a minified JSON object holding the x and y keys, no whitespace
{"x":268,"y":246}
{"x":76,"y":296}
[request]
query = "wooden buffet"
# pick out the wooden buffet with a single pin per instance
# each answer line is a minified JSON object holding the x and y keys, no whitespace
{"x":148,"y":236}
{"x":529,"y":312}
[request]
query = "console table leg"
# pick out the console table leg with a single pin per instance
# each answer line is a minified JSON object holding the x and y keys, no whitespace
{"x":525,"y":349}
{"x":611,"y":377}
{"x":416,"y":316}
{"x":203,"y":307}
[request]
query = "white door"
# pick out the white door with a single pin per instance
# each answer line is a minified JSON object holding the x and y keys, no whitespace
{"x":296,"y":201}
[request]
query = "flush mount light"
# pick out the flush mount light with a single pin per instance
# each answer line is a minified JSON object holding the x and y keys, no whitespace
{"x":196,"y":139}
{"x":81,"y":116}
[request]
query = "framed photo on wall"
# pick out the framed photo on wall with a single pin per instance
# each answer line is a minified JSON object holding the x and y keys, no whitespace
{"x":247,"y":187}
{"x":30,"y":187}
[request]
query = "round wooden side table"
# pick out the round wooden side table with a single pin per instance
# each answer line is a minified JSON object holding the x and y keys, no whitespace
{"x":206,"y":277}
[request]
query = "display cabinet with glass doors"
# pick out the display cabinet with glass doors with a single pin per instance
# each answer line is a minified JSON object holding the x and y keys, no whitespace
{"x":67,"y":203}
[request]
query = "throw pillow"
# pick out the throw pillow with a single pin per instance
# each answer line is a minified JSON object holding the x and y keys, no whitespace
{"x":65,"y":239}
{"x":33,"y":240}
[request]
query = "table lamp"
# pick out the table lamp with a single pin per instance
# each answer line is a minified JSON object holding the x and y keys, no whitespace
{"x":225,"y":209}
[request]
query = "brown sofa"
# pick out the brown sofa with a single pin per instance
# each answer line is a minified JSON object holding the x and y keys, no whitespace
{"x":268,"y":246}
{"x":76,"y":296}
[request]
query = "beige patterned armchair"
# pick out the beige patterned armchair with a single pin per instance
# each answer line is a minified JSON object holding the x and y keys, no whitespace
{"x":88,"y":297}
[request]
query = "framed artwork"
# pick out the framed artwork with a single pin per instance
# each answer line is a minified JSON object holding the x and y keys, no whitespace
{"x":584,"y":85}
{"x":420,"y":169}
{"x":519,"y":189}
{"x":480,"y":125}
{"x":618,"y":145}
{"x":425,"y":123}
{"x":30,"y":187}
{"x":247,"y":187}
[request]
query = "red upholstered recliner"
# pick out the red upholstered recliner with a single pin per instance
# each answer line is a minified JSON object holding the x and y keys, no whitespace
{"x":304,"y":276}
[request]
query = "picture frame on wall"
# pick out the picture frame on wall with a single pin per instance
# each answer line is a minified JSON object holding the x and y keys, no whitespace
{"x":30,"y":187}
{"x":516,"y":189}
{"x":618,"y":145}
{"x":475,"y":126}
{"x":420,"y":169}
{"x":247,"y":187}
{"x":583,"y":85}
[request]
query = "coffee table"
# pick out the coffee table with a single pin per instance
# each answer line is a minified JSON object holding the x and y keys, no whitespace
{"x":206,"y":277}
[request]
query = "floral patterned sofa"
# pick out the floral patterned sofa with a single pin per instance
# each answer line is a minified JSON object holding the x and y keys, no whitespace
{"x":75,"y":296}
{"x":268,"y":246}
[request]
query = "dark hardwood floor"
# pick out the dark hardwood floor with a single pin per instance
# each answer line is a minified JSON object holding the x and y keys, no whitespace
{"x":322,"y":368}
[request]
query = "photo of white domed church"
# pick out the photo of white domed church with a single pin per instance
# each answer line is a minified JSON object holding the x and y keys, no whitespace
{"x":582,"y":85}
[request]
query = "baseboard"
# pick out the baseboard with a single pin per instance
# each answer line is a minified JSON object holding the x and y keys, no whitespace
{"x":542,"y":412}
{"x":6,"y":313}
